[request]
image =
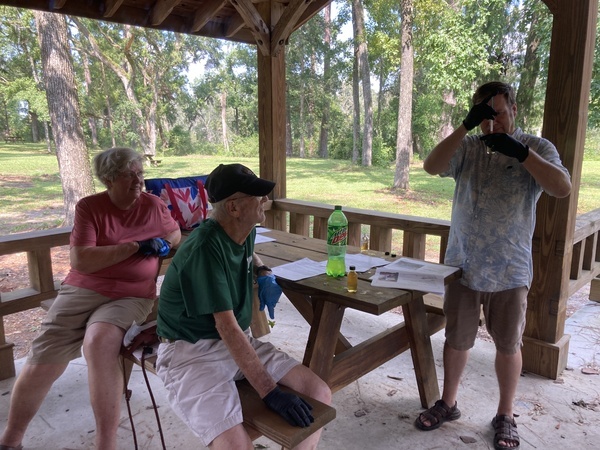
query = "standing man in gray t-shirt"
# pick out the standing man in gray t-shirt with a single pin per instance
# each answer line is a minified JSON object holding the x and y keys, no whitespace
{"x":499,"y":176}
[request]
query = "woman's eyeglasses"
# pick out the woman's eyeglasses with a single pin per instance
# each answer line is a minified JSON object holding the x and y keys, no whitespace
{"x":133,"y":175}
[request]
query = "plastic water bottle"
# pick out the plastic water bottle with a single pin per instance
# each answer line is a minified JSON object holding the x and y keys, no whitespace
{"x":337,"y":241}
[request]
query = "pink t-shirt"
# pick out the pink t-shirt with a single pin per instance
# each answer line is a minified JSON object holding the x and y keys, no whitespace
{"x":99,"y":222}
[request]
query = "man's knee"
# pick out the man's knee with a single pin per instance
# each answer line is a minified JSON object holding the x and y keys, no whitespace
{"x":305,"y":381}
{"x":235,"y":437}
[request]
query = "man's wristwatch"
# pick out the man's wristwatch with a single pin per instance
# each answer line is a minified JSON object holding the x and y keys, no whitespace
{"x":261,"y":268}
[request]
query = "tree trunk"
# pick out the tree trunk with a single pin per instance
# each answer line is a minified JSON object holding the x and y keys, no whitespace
{"x":324,"y":135}
{"x":302,"y":150}
{"x":449,"y":103}
{"x":108,"y":112}
{"x":355,"y":99}
{"x":363,"y":57}
{"x":48,"y":139}
{"x":531,"y":68}
{"x":224,"y":120}
{"x":88,"y":84}
{"x":289,"y":145}
{"x":35,"y":126}
{"x":63,"y":104}
{"x":404,"y":132}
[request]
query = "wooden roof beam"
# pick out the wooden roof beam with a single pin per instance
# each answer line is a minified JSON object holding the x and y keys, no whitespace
{"x":235,"y":24}
{"x":111,"y":6}
{"x":204,"y":15}
{"x":255,"y":22}
{"x":286,"y":24}
{"x":161,"y":10}
{"x":311,"y":10}
{"x":58,"y":4}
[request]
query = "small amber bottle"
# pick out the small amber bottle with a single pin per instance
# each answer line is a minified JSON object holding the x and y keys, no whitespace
{"x":352,"y":280}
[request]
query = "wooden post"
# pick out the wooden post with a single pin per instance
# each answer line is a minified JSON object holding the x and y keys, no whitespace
{"x":271,"y":116}
{"x":7,"y":361}
{"x":565,"y":120}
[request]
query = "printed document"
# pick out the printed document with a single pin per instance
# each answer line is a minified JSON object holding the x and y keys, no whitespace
{"x":414,"y":274}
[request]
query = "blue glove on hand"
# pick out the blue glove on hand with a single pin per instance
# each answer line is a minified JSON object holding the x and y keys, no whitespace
{"x":268,"y":293}
{"x":289,"y":406}
{"x":154,"y":247}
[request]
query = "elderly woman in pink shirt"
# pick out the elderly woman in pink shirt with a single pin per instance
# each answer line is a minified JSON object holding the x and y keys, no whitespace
{"x":117,"y":238}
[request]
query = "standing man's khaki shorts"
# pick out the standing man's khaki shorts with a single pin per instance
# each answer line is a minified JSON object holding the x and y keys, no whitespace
{"x":504,"y":313}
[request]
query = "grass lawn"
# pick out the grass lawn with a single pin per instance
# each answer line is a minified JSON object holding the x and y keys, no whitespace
{"x":30,"y":182}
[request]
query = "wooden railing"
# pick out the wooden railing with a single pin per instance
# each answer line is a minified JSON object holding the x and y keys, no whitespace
{"x":419,"y":237}
{"x":414,"y":234}
{"x":585,"y":263}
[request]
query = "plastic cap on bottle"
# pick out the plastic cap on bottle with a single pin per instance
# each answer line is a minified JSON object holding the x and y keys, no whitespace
{"x":338,"y":207}
{"x":352,"y":268}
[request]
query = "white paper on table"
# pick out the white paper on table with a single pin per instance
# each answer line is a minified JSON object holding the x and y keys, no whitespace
{"x":261,"y":239}
{"x":363,"y":262}
{"x":415,"y":274}
{"x":298,"y":270}
{"x":261,"y":230}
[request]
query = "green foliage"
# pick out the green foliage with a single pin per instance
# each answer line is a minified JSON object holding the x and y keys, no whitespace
{"x":180,"y":142}
{"x":383,"y":155}
{"x":594,"y":107}
{"x":242,"y":146}
{"x":592,"y":145}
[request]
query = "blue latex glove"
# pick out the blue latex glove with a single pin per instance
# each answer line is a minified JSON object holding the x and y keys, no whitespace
{"x":268,"y":293}
{"x":154,"y":247}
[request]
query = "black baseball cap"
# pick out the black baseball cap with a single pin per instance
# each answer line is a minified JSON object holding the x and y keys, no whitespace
{"x":227,"y":179}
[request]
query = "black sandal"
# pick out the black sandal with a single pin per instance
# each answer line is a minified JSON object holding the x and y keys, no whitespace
{"x":505,"y":430}
{"x":437,"y":415}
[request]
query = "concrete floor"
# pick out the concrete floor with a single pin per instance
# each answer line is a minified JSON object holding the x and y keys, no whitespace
{"x":376,"y":412}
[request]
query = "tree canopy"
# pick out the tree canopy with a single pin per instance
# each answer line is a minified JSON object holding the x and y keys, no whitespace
{"x":135,"y":85}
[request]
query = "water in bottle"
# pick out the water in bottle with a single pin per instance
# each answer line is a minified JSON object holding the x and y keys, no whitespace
{"x":337,"y":241}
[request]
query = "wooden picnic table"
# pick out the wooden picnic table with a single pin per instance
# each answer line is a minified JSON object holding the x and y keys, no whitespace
{"x":323,"y":300}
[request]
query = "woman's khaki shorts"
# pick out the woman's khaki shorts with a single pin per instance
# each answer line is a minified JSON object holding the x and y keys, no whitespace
{"x":200,"y":381}
{"x":73,"y":310}
{"x":504,"y":313}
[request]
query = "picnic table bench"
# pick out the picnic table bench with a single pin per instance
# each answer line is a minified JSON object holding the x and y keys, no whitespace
{"x":153,"y":162}
{"x":12,"y":138}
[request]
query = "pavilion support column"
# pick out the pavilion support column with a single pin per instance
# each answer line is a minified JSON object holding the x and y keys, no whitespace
{"x":545,"y":348}
{"x":271,"y":116}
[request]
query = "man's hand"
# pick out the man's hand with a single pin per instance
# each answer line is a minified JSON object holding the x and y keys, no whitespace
{"x":295,"y":410}
{"x":154,"y":247}
{"x":507,"y":145}
{"x":268,"y":293}
{"x":147,"y":337}
{"x":478,"y":113}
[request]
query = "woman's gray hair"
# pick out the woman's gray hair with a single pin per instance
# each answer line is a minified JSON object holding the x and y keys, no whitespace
{"x":114,"y":161}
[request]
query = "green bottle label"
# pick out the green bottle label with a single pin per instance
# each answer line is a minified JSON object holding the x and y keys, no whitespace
{"x":337,"y":235}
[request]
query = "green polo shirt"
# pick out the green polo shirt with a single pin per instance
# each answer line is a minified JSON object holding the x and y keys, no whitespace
{"x":209,"y":273}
